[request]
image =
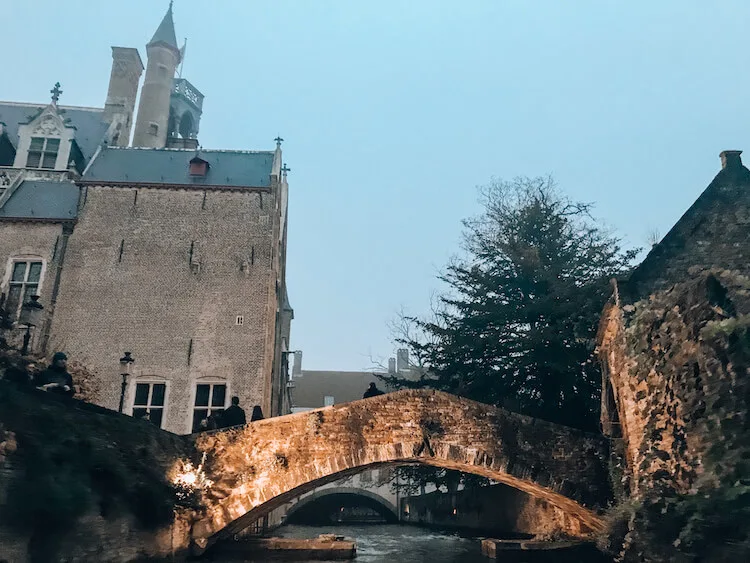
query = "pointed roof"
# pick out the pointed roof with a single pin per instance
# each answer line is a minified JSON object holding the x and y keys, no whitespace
{"x":165,"y":32}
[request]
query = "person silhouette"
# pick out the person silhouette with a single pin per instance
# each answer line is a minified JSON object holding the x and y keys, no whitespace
{"x":234,"y":415}
{"x":372,"y":391}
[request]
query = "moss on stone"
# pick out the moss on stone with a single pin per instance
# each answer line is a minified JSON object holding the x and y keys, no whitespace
{"x":690,"y":500}
{"x":73,"y":459}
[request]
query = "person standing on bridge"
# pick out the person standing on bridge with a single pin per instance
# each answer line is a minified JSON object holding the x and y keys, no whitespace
{"x":372,"y":391}
{"x":257,"y":414}
{"x":234,"y":415}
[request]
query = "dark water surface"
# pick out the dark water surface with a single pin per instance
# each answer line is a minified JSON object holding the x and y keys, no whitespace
{"x":393,"y":543}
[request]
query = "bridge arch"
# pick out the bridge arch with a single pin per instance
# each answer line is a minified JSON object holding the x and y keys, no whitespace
{"x":385,"y":507}
{"x":266,"y":464}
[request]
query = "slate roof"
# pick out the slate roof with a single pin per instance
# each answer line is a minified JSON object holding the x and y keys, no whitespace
{"x":165,"y":32}
{"x":88,"y":122}
{"x":241,"y":169}
{"x":311,"y":387}
{"x":37,"y":199}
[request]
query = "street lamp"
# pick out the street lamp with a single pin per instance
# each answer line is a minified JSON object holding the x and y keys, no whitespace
{"x":30,"y":313}
{"x":126,"y":363}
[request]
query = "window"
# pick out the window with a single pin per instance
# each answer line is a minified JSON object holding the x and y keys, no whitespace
{"x":240,"y":320}
{"x":328,"y":401}
{"x":153,"y":129}
{"x":43,"y":153}
{"x":149,"y":402}
{"x":24,"y":282}
{"x":209,"y":400}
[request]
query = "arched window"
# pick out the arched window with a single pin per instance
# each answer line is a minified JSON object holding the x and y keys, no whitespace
{"x":186,"y":125}
{"x":171,"y":126}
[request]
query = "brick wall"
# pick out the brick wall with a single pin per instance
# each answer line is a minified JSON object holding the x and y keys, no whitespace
{"x":260,"y":467}
{"x":164,"y":274}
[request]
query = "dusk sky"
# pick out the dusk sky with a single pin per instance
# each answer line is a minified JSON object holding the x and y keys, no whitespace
{"x":394,"y":111}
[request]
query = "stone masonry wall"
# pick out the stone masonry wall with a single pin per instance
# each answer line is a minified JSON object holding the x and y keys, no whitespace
{"x":495,"y":509}
{"x":164,"y":274}
{"x":678,"y":364}
{"x":264,"y":465}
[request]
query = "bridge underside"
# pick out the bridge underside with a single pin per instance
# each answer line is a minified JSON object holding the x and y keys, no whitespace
{"x":266,"y":464}
{"x":324,"y":502}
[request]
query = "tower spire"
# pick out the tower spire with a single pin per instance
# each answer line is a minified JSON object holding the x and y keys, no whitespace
{"x":152,"y":124}
{"x":165,"y":32}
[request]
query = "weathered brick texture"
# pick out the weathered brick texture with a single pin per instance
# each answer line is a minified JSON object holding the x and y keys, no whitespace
{"x":164,"y":274}
{"x":264,"y":464}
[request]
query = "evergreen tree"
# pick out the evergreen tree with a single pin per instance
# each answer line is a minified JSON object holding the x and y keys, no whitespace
{"x":517,"y":326}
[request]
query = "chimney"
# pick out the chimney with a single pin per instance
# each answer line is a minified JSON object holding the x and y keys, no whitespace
{"x":297,"y":366}
{"x":391,"y":366}
{"x":127,"y":68}
{"x":402,"y":359}
{"x":730,"y":159}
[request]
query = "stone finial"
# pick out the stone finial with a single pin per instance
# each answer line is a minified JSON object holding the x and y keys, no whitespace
{"x":730,"y":159}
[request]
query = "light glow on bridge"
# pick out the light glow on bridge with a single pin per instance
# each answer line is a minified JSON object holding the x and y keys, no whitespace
{"x":190,"y":479}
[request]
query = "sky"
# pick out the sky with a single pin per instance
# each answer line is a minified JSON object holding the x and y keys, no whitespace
{"x":394,"y":111}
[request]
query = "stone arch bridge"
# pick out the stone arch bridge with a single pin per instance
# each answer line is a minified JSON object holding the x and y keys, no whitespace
{"x":263,"y":465}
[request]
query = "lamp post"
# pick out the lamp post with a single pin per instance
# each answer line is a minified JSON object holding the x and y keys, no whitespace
{"x":125,"y":364}
{"x":30,"y":313}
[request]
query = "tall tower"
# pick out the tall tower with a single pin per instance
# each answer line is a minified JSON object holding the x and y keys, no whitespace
{"x":153,"y":110}
{"x":123,"y":90}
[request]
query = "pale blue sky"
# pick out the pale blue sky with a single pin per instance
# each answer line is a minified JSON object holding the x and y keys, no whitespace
{"x":394,"y":111}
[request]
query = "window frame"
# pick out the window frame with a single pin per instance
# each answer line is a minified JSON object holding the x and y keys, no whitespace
{"x":8,"y":282}
{"x":194,"y":393}
{"x":149,"y":380}
{"x":43,"y":153}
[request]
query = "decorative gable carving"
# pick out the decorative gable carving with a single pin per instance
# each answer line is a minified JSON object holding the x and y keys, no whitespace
{"x":49,"y":126}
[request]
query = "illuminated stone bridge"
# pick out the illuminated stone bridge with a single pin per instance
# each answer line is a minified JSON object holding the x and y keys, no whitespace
{"x":265,"y":464}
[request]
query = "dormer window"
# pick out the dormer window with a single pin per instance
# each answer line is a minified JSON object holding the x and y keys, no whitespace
{"x":43,"y":153}
{"x":198,"y":167}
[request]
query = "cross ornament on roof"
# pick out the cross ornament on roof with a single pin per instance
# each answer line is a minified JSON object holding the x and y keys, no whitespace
{"x":278,"y":140}
{"x":56,"y":92}
{"x":285,"y":169}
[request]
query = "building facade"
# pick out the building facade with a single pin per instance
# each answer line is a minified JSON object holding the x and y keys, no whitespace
{"x":168,"y":251}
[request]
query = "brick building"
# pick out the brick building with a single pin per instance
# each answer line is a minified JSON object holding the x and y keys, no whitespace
{"x":169,"y":251}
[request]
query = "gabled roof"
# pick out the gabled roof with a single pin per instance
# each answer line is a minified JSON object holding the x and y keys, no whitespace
{"x":90,"y":128}
{"x":42,"y":200}
{"x":240,"y":169}
{"x":165,"y":32}
{"x":729,"y":188}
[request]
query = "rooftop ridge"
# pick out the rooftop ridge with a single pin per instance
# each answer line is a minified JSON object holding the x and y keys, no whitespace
{"x":45,"y":104}
{"x":202,"y":150}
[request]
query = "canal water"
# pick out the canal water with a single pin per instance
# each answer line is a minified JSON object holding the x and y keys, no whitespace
{"x":393,"y":543}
